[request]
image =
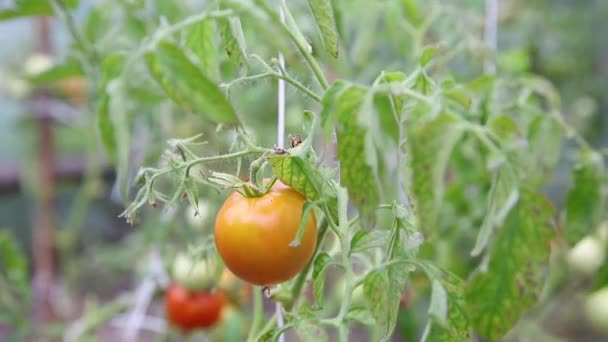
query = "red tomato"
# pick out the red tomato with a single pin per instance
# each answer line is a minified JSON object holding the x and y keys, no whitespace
{"x":253,"y":234}
{"x":189,"y":310}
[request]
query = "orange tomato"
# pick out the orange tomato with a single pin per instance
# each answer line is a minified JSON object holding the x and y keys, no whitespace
{"x":253,"y":234}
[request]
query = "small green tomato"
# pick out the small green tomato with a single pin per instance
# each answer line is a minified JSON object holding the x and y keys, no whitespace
{"x":587,"y":255}
{"x":596,"y":310}
{"x":194,"y":274}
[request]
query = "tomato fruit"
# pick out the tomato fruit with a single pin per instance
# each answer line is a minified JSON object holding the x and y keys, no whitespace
{"x":252,"y":235}
{"x":189,"y":310}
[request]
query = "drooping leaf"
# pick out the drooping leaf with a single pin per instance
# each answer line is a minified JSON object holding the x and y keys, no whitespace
{"x":584,"y":202}
{"x":27,"y":8}
{"x":200,"y":39}
{"x":187,"y":86}
{"x":503,"y":196}
{"x":431,"y":146}
{"x":319,"y":268}
{"x":497,"y":298}
{"x":355,"y":172}
{"x":324,"y":17}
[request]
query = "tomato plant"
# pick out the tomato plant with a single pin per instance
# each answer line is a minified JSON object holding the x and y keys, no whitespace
{"x":189,"y":309}
{"x":254,"y":235}
{"x":419,"y":175}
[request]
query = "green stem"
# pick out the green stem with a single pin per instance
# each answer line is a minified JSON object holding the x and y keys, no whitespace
{"x":285,"y":76}
{"x":83,"y":44}
{"x":298,"y":283}
{"x":314,"y":66}
{"x":258,"y":314}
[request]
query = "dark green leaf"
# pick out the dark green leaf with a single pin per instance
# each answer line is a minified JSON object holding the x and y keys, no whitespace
{"x":26,"y":8}
{"x":431,"y":147}
{"x":324,"y":17}
{"x":187,"y":86}
{"x":584,"y":202}
{"x":514,"y":278}
{"x":200,"y":39}
{"x":319,"y":268}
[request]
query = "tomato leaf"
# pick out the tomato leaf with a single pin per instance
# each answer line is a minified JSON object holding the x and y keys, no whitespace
{"x":187,"y":86}
{"x":355,"y":170}
{"x":428,"y":54}
{"x":497,"y":298}
{"x":26,"y":8}
{"x":324,"y":17}
{"x":383,"y":290}
{"x":110,"y":69}
{"x":503,"y":196}
{"x":319,"y":268}
{"x":361,"y":315}
{"x":455,"y":327}
{"x":584,"y":202}
{"x":298,"y":174}
{"x":412,"y":12}
{"x":328,"y":103}
{"x":431,"y":146}
{"x":200,"y":39}
{"x":367,"y":239}
{"x":545,"y":139}
{"x":233,"y":39}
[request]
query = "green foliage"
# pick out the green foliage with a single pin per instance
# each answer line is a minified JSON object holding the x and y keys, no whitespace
{"x":26,"y":8}
{"x":186,"y":85}
{"x":585,"y":201}
{"x":498,"y":296}
{"x":324,"y":17}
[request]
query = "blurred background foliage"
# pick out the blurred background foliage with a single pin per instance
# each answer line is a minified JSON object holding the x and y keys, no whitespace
{"x":561,"y":40}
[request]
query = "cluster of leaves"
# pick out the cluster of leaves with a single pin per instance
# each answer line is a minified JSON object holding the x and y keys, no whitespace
{"x":421,"y":153}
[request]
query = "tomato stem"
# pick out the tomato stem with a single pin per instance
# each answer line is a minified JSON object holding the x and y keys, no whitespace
{"x":258,"y":314}
{"x":298,"y":283}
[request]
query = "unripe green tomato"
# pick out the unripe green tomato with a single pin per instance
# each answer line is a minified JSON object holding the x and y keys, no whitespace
{"x":357,"y":297}
{"x":596,"y":310}
{"x":587,"y":255}
{"x":194,"y":274}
